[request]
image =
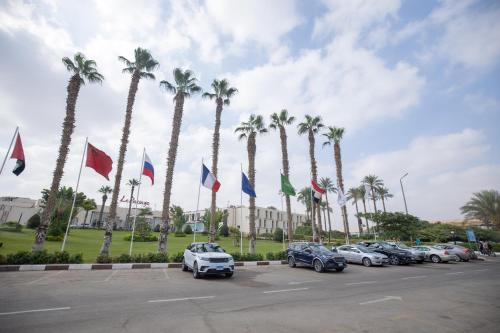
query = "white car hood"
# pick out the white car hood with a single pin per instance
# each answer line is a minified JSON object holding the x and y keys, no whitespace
{"x":213,"y":255}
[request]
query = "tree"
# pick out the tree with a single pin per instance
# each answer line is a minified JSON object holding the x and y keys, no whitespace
{"x":383,"y":193}
{"x":334,"y":135}
{"x":327,"y":184}
{"x":33,"y":222}
{"x":304,"y":197}
{"x":248,"y":130}
{"x":222,"y":95}
{"x":141,"y":68}
{"x":396,"y":225}
{"x":278,"y":122}
{"x":185,"y":86}
{"x":132,"y":183}
{"x":82,"y":70}
{"x":88,"y":205}
{"x":311,"y":126}
{"x":104,"y":190}
{"x":374,"y":182}
{"x":484,"y":206}
{"x":362,"y":196}
{"x":354,"y":195}
{"x":177,"y":216}
{"x":62,"y":209}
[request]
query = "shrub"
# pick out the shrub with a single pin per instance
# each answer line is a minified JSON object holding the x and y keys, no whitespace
{"x":54,"y":238}
{"x":157,"y":257}
{"x":224,"y":230}
{"x":33,"y":222}
{"x":179,"y":234}
{"x":19,"y":258}
{"x":177,"y":257}
{"x":157,"y":228}
{"x":76,"y":258}
{"x":188,"y":230}
{"x":150,"y":238}
{"x":276,"y":255}
{"x":42,"y":257}
{"x":3,"y":259}
{"x":278,"y":235}
{"x":123,"y":258}
{"x":247,"y":257}
{"x":103,"y":259}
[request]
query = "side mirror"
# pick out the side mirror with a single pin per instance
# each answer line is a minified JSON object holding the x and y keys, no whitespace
{"x":334,"y":249}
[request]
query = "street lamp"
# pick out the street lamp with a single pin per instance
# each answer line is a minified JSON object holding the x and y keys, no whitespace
{"x":453,"y":236}
{"x":402,"y":190}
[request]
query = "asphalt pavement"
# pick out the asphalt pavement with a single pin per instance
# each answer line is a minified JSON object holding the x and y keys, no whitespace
{"x":453,"y":297}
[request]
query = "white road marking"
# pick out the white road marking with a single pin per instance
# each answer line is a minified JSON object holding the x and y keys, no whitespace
{"x":356,"y":283}
{"x":178,"y":299}
{"x":300,"y":282}
{"x":165,"y":273}
{"x":414,"y":277}
{"x":480,"y":270}
{"x":110,"y":276}
{"x":386,"y":298}
{"x":455,"y":273}
{"x":283,"y":290}
{"x":37,"y":310}
{"x":48,"y":276}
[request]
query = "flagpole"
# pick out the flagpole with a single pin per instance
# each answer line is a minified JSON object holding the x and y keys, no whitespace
{"x":198,"y":201}
{"x":75,"y":195}
{"x":241,"y":211}
{"x":137,"y":201}
{"x":8,"y":150}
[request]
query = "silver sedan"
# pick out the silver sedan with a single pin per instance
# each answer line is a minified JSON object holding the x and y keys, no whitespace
{"x":435,"y":254}
{"x":362,"y":255}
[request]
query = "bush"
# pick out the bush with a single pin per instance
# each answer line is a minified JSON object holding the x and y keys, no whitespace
{"x":123,"y":258}
{"x":103,"y":259}
{"x":33,"y":222}
{"x":11,"y":226}
{"x":278,"y":235}
{"x":266,"y":236}
{"x":54,"y":238}
{"x":188,"y":230}
{"x":179,"y":234}
{"x":42,"y":257}
{"x":224,"y":230}
{"x":247,"y":257}
{"x":157,"y":228}
{"x":282,"y":255}
{"x":3,"y":260}
{"x":177,"y":257}
{"x":150,"y":238}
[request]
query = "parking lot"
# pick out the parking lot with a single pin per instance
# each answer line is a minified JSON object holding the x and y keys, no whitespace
{"x":453,"y":297}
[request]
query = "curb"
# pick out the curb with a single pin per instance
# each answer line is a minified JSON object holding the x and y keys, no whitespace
{"x":72,"y":267}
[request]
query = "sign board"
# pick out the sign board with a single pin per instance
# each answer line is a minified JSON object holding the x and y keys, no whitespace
{"x":470,"y":235}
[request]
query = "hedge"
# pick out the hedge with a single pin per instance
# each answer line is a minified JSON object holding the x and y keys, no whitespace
{"x":41,"y":258}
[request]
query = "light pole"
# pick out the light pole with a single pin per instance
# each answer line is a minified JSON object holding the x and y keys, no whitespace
{"x":402,"y":190}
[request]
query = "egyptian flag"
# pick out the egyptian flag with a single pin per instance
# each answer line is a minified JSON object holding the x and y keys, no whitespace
{"x":18,"y":153}
{"x":317,"y":191}
{"x":99,"y":161}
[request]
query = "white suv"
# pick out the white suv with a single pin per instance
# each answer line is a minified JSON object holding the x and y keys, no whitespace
{"x":207,"y":258}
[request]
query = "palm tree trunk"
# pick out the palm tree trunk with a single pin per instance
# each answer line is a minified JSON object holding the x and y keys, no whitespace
{"x":373,"y":198}
{"x":99,"y":222}
{"x":172,"y":154}
{"x":251,"y":148}
{"x":108,"y":234}
{"x":130,"y":207}
{"x":360,"y":227}
{"x":314,"y":174}
{"x":215,"y":158}
{"x":286,"y":171}
{"x":329,"y":221}
{"x":383,"y":202}
{"x":68,"y":125}
{"x":340,"y":181}
{"x":366,"y":219}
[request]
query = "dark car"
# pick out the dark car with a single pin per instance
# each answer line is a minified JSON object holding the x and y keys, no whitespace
{"x":315,"y":255}
{"x":396,"y":256}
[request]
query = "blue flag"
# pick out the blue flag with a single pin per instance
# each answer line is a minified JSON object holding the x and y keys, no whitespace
{"x":246,"y":187}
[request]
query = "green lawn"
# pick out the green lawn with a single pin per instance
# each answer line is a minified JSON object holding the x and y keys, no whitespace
{"x":89,"y":243}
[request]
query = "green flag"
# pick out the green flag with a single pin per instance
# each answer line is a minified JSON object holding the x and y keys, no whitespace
{"x":286,"y":187}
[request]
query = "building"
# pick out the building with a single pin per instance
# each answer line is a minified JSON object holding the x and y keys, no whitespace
{"x":266,"y":219}
{"x":464,"y":223}
{"x":17,"y":209}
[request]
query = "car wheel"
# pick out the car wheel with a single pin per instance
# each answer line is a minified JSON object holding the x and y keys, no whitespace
{"x":367,"y":262}
{"x":196,"y":274}
{"x":291,"y":262}
{"x":318,"y":266}
{"x":340,"y":269}
{"x":393,"y":260}
{"x":184,"y":266}
{"x":228,"y":275}
{"x":435,"y":259}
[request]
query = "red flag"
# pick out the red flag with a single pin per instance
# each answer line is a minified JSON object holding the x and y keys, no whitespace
{"x":99,"y":161}
{"x":18,"y":154}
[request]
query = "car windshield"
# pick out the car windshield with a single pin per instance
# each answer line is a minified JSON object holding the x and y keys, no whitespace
{"x":364,"y":249}
{"x":319,"y":248}
{"x":402,"y":246}
{"x":387,"y":246}
{"x":212,"y":248}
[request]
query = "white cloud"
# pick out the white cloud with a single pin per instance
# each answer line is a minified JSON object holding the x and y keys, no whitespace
{"x":481,"y":104}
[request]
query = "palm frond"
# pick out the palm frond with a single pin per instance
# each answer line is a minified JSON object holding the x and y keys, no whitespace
{"x":168,"y":87}
{"x":146,"y":75}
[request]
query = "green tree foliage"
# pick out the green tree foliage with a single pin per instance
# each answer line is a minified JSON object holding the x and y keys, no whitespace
{"x":177,"y":216}
{"x":62,"y":210}
{"x":224,"y":230}
{"x":278,"y":235}
{"x":188,"y":230}
{"x":484,"y":206}
{"x":33,"y":221}
{"x":396,"y":225}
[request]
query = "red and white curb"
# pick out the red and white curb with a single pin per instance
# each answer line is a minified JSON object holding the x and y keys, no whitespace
{"x":72,"y":267}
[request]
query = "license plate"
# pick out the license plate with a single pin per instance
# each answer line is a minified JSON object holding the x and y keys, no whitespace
{"x":219,"y":267}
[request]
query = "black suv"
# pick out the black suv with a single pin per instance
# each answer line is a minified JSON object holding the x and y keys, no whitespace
{"x":315,"y":255}
{"x":396,"y":256}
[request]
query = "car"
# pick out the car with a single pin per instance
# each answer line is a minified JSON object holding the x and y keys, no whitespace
{"x":315,"y":255}
{"x":418,"y":256}
{"x":362,"y":255}
{"x":396,"y":256}
{"x":207,"y":258}
{"x":462,"y":253}
{"x":435,"y":254}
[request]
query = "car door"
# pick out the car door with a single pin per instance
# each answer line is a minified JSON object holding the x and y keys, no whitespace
{"x":344,"y":251}
{"x":298,"y":253}
{"x":356,"y":255}
{"x":308,"y":255}
{"x":189,"y":255}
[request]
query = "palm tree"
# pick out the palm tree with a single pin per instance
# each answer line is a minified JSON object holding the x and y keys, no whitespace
{"x":132,"y":183}
{"x":141,"y":68}
{"x":383,"y":193}
{"x":484,"y":206}
{"x":362,"y":196}
{"x":87,"y":205}
{"x":334,"y":135}
{"x":185,"y":86}
{"x":311,"y":126}
{"x":248,"y":130}
{"x":304,"y":197}
{"x":222,"y":95}
{"x":81,"y":70}
{"x":374,"y":182}
{"x":354,"y":194}
{"x":327,"y":184}
{"x":279,"y":121}
{"x":104,"y":190}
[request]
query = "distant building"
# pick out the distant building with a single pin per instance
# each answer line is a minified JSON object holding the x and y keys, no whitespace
{"x":464,"y":223}
{"x":18,"y":209}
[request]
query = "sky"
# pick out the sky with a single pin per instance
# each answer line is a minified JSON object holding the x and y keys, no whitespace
{"x":415,"y":84}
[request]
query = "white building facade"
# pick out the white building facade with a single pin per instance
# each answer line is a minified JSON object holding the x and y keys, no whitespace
{"x":16,"y":209}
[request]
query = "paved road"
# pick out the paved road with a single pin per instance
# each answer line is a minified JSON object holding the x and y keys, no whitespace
{"x":454,"y":297}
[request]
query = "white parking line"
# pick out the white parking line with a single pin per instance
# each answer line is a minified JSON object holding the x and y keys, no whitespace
{"x":165,"y":273}
{"x":480,"y":270}
{"x":386,"y":298}
{"x":301,"y":282}
{"x":356,"y":283}
{"x":37,"y":310}
{"x":48,"y":276}
{"x":414,"y":277}
{"x":178,"y":299}
{"x":110,"y":276}
{"x":283,"y":290}
{"x":455,"y":273}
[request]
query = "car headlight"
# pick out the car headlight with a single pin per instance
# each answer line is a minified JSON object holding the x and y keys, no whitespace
{"x":203,"y":258}
{"x":231,"y":259}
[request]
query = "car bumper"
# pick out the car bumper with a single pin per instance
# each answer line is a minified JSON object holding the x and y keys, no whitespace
{"x":335,"y":264}
{"x":380,"y":262}
{"x":215,"y":268}
{"x":448,"y":258}
{"x":405,"y":260}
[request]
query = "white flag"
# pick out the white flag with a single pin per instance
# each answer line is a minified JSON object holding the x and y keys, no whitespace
{"x":341,"y":199}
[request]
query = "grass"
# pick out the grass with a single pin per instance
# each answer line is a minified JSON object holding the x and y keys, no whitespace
{"x":88,"y":242}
